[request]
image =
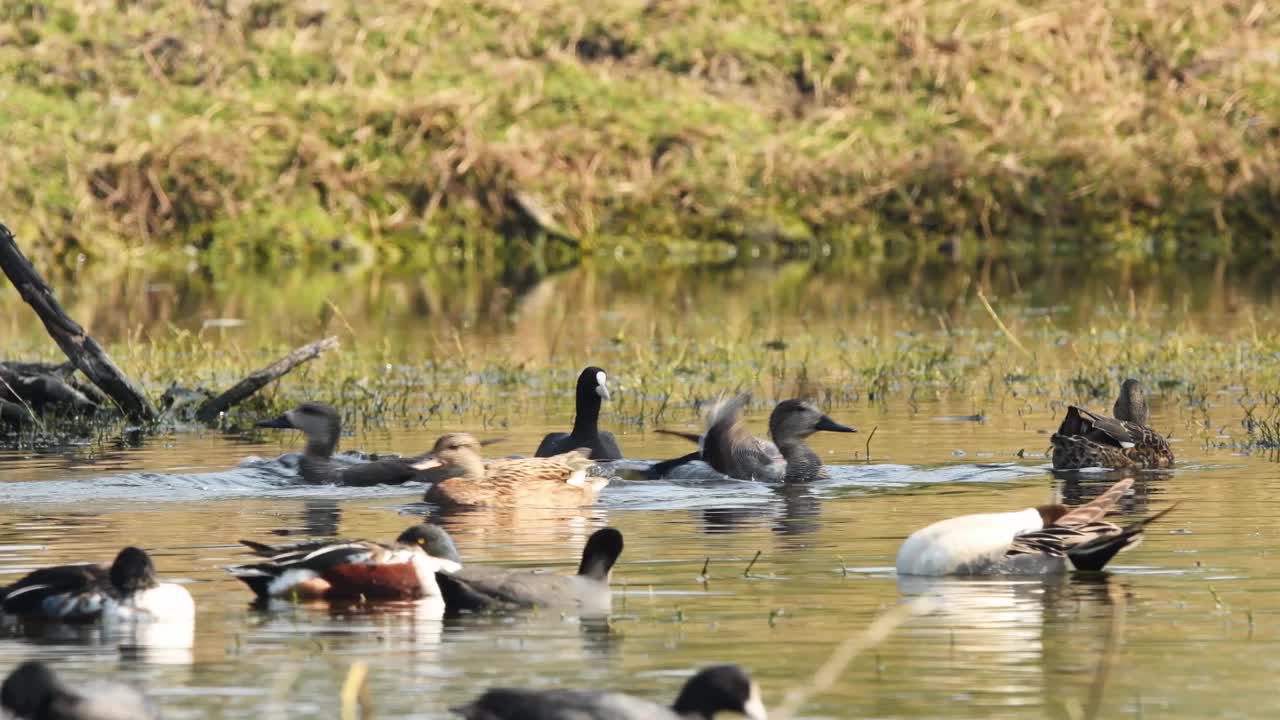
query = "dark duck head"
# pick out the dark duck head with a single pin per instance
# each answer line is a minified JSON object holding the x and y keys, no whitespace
{"x":720,"y":689}
{"x":132,"y":572}
{"x":791,"y":422}
{"x":1131,"y":406}
{"x":319,"y":422}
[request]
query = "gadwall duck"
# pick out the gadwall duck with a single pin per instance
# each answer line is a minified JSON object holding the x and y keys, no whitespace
{"x":1036,"y":541}
{"x":490,"y":589}
{"x":712,"y":690}
{"x":322,"y":427}
{"x":1087,"y":439}
{"x":34,"y":692}
{"x":349,"y":569}
{"x":128,"y":590}
{"x":557,"y":481}
{"x":731,"y":449}
{"x":593,"y":387}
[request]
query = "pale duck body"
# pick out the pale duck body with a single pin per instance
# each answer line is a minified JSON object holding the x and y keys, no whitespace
{"x":975,"y":545}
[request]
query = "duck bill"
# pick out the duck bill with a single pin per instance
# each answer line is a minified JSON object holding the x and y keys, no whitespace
{"x":280,"y":422}
{"x":428,"y":462}
{"x":492,"y":441}
{"x":754,"y":707}
{"x":830,"y":425}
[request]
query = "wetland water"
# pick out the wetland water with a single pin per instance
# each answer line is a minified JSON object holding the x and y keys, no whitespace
{"x":1199,"y":599}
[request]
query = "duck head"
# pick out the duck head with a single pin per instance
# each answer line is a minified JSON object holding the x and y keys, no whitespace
{"x":593,"y":381}
{"x":1132,"y":403}
{"x":319,"y":422}
{"x":433,"y":540}
{"x":459,"y":451}
{"x":717,"y":689}
{"x":133,"y":571}
{"x":798,"y":419}
{"x":30,"y":689}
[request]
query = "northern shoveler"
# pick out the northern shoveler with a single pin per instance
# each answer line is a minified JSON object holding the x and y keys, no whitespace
{"x":128,"y":590}
{"x":558,"y":481}
{"x":1087,"y":439}
{"x":718,"y":689}
{"x":348,"y":569}
{"x":1040,"y":540}
{"x":34,"y":692}
{"x":731,"y":449}
{"x":593,"y":387}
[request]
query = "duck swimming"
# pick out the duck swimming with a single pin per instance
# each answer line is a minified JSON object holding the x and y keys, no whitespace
{"x":322,"y":427}
{"x":349,"y":569}
{"x":732,"y":450}
{"x":593,"y":388}
{"x":128,"y":590}
{"x":557,"y":481}
{"x":713,"y":690}
{"x":1036,"y":541}
{"x":1087,"y":439}
{"x":490,"y":589}
{"x":34,"y":692}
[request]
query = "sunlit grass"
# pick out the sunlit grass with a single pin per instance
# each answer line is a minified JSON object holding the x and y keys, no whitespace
{"x":260,"y":131}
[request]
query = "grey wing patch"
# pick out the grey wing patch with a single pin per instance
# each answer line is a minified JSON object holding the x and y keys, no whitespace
{"x":609,"y":446}
{"x":1058,"y":541}
{"x":1108,"y":430}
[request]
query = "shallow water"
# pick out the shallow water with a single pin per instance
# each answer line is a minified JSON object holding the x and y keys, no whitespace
{"x":1194,"y":609}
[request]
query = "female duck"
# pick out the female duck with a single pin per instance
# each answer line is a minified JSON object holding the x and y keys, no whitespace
{"x":1037,"y":541}
{"x":129,"y":590}
{"x":558,"y":481}
{"x":1086,"y":439}
{"x":713,"y":690}
{"x":593,"y":387}
{"x":732,"y":450}
{"x":349,"y":569}
{"x":322,"y":427}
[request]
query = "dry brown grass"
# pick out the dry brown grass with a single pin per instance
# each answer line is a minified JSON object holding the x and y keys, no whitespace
{"x":251,"y":129}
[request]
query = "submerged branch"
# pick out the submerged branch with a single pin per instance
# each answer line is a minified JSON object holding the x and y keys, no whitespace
{"x":244,"y":389}
{"x":85,"y":352}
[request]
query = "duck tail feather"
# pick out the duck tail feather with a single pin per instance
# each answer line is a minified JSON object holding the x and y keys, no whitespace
{"x":1096,"y":554}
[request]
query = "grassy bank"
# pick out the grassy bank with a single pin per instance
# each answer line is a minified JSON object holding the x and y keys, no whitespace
{"x":1214,"y":376}
{"x":260,"y":130}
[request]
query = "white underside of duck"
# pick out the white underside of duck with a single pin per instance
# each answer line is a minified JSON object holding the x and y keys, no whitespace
{"x":976,"y":545}
{"x":166,"y":601}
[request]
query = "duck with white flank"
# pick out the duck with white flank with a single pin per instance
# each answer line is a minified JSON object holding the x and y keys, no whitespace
{"x":593,"y":388}
{"x":322,"y":427}
{"x":33,"y":692}
{"x":128,"y":590}
{"x":731,"y":449}
{"x":713,"y":690}
{"x":1035,"y":541}
{"x":478,"y":589}
{"x":1087,"y":439}
{"x":349,"y":569}
{"x":557,"y":481}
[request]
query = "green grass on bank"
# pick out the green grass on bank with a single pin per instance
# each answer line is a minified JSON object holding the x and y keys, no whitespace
{"x":257,"y":130}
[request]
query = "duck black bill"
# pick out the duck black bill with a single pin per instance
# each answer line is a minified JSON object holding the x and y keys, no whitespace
{"x":280,"y":422}
{"x":830,"y":425}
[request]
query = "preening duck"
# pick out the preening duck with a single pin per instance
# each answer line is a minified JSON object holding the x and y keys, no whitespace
{"x":1035,"y":541}
{"x":1087,"y":439}
{"x":717,"y":689}
{"x":128,"y":590}
{"x":349,"y":569}
{"x":592,"y":389}
{"x":557,"y":481}
{"x":34,"y":692}
{"x":730,"y":448}
{"x":322,"y":427}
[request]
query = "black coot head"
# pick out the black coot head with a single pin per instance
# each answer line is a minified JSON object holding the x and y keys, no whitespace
{"x":720,"y":688}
